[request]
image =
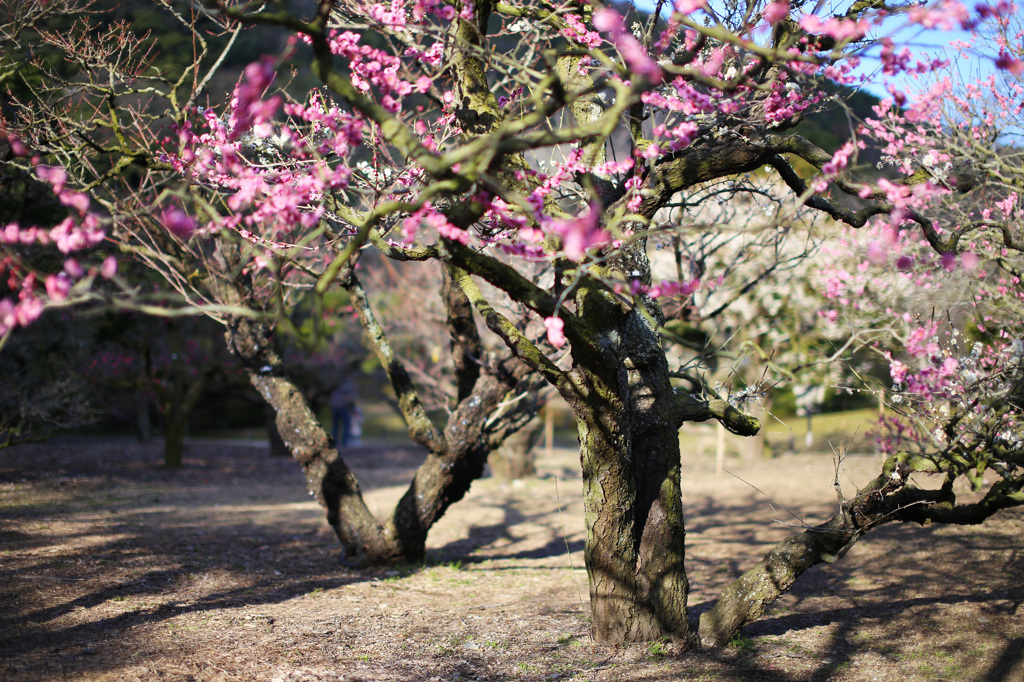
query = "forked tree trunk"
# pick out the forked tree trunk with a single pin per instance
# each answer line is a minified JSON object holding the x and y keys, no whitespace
{"x":443,"y":479}
{"x":628,"y":422}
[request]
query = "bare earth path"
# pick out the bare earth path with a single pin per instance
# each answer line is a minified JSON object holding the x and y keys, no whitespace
{"x":113,"y":569}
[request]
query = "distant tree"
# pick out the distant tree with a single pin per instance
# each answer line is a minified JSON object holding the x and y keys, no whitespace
{"x":104,"y":125}
{"x":141,"y":363}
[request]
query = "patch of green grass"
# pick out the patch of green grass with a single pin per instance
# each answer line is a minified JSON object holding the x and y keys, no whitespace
{"x":839,"y":427}
{"x":745,"y":646}
{"x":656,"y":651}
{"x":834,"y":667}
{"x":452,"y":644}
{"x":497,"y":644}
{"x":566,"y":669}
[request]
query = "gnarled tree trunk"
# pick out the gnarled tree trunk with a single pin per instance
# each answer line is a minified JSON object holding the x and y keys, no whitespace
{"x":455,"y":457}
{"x":634,"y":545}
{"x":626,"y":410}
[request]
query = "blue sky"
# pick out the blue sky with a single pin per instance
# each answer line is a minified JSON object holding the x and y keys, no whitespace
{"x":924,"y":43}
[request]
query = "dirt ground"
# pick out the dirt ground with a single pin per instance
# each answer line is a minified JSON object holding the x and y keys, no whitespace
{"x":111,"y":568}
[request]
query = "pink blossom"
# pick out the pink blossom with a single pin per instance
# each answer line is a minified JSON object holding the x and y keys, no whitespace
{"x":109,"y":267}
{"x":18,"y":148}
{"x":776,"y":11}
{"x":390,"y":16}
{"x":945,"y":15}
{"x":610,"y":21}
{"x":634,"y":54}
{"x":75,"y":200}
{"x":898,"y":371}
{"x":1012,"y":64}
{"x":73,"y":267}
{"x":248,"y":109}
{"x":28,"y":310}
{"x":921,"y":341}
{"x":577,"y":31}
{"x":58,"y":286}
{"x":893,"y":63}
{"x":713,"y":64}
{"x":637,"y":59}
{"x":555,"y":333}
{"x":177,"y":222}
{"x":877,"y":253}
{"x":7,"y":321}
{"x":689,"y":6}
{"x":54,"y":175}
{"x":840,"y":29}
{"x":581,"y":233}
{"x":68,"y":237}
{"x":839,"y":161}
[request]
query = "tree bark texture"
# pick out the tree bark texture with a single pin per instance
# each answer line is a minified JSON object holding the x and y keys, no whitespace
{"x":624,"y":405}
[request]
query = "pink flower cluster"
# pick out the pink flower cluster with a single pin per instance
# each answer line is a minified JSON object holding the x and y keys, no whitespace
{"x":635,"y":55}
{"x":79,"y":231}
{"x":372,"y":67}
{"x":248,"y":109}
{"x":840,"y":29}
{"x":275,"y":182}
{"x":581,"y":233}
{"x":430,"y":220}
{"x":577,"y":31}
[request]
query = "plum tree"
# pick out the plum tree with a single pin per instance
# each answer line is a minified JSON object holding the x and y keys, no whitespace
{"x":540,"y":157}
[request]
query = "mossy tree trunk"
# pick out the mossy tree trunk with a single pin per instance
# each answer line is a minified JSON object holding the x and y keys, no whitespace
{"x":625,"y":408}
{"x":628,"y":415}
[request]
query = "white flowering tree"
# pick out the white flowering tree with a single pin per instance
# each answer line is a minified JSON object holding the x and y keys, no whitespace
{"x":946,"y":302}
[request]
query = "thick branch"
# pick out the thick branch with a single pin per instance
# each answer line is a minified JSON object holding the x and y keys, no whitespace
{"x":516,"y":341}
{"x":735,"y":421}
{"x":886,"y":499}
{"x":837,"y":212}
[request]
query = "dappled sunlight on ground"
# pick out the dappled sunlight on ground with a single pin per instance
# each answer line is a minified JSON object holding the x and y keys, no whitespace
{"x":111,"y":568}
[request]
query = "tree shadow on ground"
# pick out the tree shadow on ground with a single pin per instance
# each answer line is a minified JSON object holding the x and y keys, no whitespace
{"x":82,"y":536}
{"x":113,"y":528}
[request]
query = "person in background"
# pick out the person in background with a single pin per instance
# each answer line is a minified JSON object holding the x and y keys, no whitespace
{"x":344,"y":411}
